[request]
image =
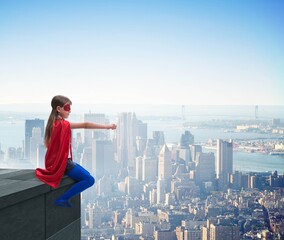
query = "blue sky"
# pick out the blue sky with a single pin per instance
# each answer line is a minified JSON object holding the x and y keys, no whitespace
{"x":143,"y":51}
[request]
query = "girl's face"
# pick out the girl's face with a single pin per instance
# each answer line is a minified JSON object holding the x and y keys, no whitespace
{"x":65,"y":110}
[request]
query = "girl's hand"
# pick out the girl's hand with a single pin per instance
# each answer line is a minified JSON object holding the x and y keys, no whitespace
{"x":112,"y":126}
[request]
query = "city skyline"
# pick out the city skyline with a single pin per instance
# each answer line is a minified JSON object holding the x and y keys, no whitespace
{"x":169,"y":190}
{"x":142,"y":52}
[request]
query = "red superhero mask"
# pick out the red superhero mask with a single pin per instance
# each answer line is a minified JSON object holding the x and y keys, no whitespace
{"x":67,"y":107}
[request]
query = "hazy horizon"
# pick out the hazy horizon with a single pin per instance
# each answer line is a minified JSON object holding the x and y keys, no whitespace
{"x":248,"y":111}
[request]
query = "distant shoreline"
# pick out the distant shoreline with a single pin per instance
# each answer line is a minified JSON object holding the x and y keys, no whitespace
{"x":182,"y":111}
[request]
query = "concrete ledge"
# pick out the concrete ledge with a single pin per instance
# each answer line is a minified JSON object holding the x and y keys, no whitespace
{"x":27,"y":210}
{"x":73,"y":229}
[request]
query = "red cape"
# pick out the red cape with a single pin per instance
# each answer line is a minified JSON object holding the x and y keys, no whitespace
{"x":56,"y":155}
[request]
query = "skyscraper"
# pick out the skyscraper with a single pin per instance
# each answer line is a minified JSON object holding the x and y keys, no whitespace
{"x":123,"y":132}
{"x":159,"y":138}
{"x":87,"y":162}
{"x":224,"y":161}
{"x":149,"y":163}
{"x":29,"y":125}
{"x":36,"y":140}
{"x":95,"y":133}
{"x":186,"y":139}
{"x":128,"y":129}
{"x":194,"y":149}
{"x":41,"y":150}
{"x":103,"y":158}
{"x":205,"y":167}
{"x":142,"y":129}
{"x":138,"y":172}
{"x":161,"y":191}
{"x":132,"y":186}
{"x":141,"y":137}
{"x":165,"y":164}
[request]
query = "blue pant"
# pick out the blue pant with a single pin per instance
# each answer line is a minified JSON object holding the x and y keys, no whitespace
{"x":84,"y":180}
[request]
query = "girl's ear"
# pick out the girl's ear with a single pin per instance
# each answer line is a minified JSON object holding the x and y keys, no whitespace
{"x":58,"y":109}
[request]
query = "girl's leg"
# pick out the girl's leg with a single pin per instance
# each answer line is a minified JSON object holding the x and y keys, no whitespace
{"x":84,"y":180}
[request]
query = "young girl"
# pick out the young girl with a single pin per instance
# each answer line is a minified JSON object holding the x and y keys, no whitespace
{"x":58,"y":158}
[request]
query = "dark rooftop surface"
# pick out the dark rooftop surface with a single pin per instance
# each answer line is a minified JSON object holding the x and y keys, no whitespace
{"x":27,"y":208}
{"x":18,"y":185}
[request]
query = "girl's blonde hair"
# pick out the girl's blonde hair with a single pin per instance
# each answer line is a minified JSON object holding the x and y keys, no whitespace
{"x":56,"y":101}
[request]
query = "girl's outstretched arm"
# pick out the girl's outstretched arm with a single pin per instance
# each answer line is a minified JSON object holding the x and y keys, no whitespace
{"x":92,"y":125}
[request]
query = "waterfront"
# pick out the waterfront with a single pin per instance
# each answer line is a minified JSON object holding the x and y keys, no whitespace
{"x":243,"y":161}
{"x":12,"y":135}
{"x":258,"y":162}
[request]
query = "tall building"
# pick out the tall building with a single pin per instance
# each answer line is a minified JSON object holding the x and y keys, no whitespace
{"x":86,"y":161}
{"x":236,"y":180}
{"x":132,"y":186}
{"x":158,"y":141}
{"x":138,"y":166}
{"x":121,"y":138}
{"x":165,"y":164}
{"x":29,"y":125}
{"x":159,"y":138}
{"x":186,"y":139}
{"x":205,"y":168}
{"x":90,"y":134}
{"x":161,"y":191}
{"x":224,"y":162}
{"x":36,"y":140}
{"x":129,"y":130}
{"x":184,"y":155}
{"x":104,"y":186}
{"x":194,"y":149}
{"x":141,"y":145}
{"x":149,"y":163}
{"x":142,"y":129}
{"x":153,"y":196}
{"x":141,"y":138}
{"x":90,"y":216}
{"x":132,"y":148}
{"x":103,"y":158}
{"x":41,"y":150}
